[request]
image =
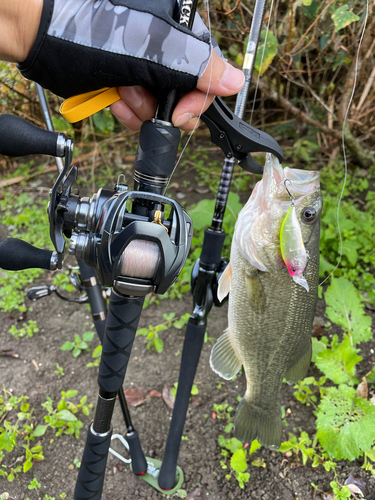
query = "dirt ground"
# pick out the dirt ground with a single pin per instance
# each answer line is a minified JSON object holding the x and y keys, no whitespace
{"x":33,"y":375}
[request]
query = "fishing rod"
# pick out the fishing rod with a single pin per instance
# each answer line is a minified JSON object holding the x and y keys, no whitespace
{"x":205,"y":274}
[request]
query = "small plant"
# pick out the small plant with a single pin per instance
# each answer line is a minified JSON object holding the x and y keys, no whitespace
{"x":34,"y":484}
{"x":152,"y":332}
{"x":194,"y":390}
{"x":59,"y":371}
{"x":340,"y":492}
{"x":63,"y":417}
{"x":26,"y":331}
{"x":234,"y":452}
{"x":96,"y":353}
{"x":79,"y":344}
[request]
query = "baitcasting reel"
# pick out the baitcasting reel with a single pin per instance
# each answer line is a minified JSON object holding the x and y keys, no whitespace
{"x":137,"y":254}
{"x":124,"y":235}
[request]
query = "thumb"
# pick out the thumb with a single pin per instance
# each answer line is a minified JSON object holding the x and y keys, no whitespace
{"x":221,"y":78}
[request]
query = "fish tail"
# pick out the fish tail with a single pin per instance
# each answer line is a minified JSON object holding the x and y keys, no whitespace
{"x":254,"y":423}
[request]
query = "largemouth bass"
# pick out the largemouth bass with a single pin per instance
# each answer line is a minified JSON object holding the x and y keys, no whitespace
{"x":270,"y":315}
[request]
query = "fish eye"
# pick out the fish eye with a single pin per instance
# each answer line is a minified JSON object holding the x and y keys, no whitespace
{"x":308,"y":214}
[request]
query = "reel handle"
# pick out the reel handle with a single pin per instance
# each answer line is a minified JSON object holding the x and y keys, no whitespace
{"x":18,"y":137}
{"x":16,"y":255}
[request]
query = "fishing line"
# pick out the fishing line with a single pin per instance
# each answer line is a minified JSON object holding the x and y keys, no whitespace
{"x":206,"y":2}
{"x":257,"y":83}
{"x":343,"y":139}
{"x":261,"y":63}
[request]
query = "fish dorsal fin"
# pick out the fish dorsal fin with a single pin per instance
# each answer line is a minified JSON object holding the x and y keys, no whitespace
{"x":255,"y":292}
{"x":225,"y":283}
{"x":224,"y":360}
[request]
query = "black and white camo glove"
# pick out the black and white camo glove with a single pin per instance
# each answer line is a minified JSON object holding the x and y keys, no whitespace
{"x":85,"y":45}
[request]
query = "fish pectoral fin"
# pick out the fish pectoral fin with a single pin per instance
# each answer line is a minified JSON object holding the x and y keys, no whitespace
{"x":255,"y":292}
{"x":225,"y":283}
{"x":224,"y":360}
{"x":299,"y":369}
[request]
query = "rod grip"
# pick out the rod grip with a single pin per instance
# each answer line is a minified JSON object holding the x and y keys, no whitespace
{"x":193,"y":343}
{"x":90,"y":480}
{"x":157,"y":149}
{"x":139,"y":463}
{"x":18,"y":137}
{"x":16,"y":255}
{"x":121,"y":326}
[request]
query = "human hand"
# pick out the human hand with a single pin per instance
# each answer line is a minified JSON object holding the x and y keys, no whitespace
{"x":81,"y":47}
{"x":138,"y":105}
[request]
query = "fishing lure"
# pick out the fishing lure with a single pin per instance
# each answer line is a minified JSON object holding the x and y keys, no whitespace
{"x":293,"y":250}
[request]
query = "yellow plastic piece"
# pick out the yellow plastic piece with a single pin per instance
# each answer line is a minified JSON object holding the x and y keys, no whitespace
{"x":81,"y":106}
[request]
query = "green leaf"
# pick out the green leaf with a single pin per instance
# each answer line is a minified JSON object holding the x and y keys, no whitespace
{"x":70,"y":394}
{"x":158,"y":344}
{"x":76,"y":352}
{"x":229,"y":427}
{"x":342,"y":17}
{"x":349,"y":249}
{"x":61,"y":125}
{"x":66,"y":415}
{"x":345,"y":308}
{"x":345,"y":423}
{"x":27,"y":465}
{"x":88,"y":336}
{"x":338,"y":363}
{"x":370,"y":454}
{"x":40,"y":430}
{"x":194,"y":390}
{"x":233,"y":445}
{"x":104,"y":121}
{"x":68,"y":346}
{"x":371,"y":378}
{"x":142,"y":331}
{"x":255,"y":445}
{"x":317,"y":348}
{"x":238,"y":460}
{"x":97,"y":352}
{"x":36,"y":449}
{"x":270,"y":51}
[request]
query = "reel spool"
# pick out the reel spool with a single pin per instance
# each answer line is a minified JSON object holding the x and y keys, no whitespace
{"x":135,"y":254}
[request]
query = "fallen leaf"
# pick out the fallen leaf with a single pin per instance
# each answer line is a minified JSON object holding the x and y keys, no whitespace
{"x":35,"y":365}
{"x":329,"y":495}
{"x":317,"y":331}
{"x":136,"y":396}
{"x":168,"y":397}
{"x":355,"y":484}
{"x":196,"y":401}
{"x":11,"y":353}
{"x":354,"y":489}
{"x":362,"y":389}
{"x":197,"y":493}
{"x":202,"y":191}
{"x":154,"y":394}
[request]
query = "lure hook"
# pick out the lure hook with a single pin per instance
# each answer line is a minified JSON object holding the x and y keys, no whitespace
{"x":292,"y":198}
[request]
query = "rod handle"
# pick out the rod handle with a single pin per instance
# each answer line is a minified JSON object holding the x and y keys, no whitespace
{"x":193,"y":343}
{"x":18,"y":137}
{"x":139,"y":463}
{"x":121,"y":326}
{"x":90,"y":480}
{"x":16,"y":255}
